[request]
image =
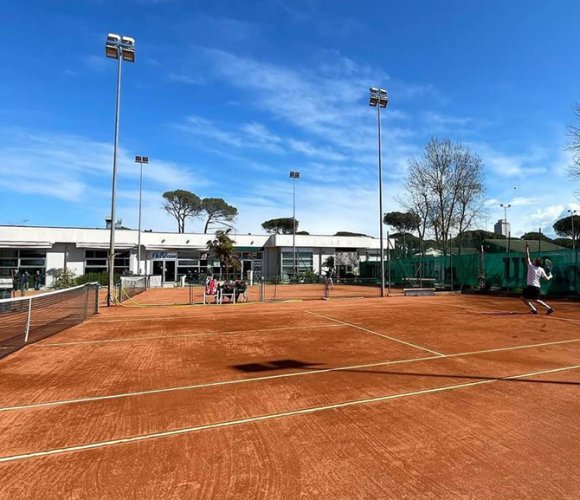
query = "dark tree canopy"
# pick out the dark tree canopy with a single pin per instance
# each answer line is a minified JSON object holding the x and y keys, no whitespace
{"x":402,"y":221}
{"x":218,"y":212}
{"x":284,"y":225}
{"x":535,"y":236}
{"x":305,"y":233}
{"x":563,"y":226}
{"x":348,"y":233}
{"x":563,"y":242}
{"x":182,"y":205}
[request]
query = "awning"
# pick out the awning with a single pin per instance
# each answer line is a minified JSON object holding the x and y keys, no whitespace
{"x":106,"y":246}
{"x":169,"y":248}
{"x":25,"y":244}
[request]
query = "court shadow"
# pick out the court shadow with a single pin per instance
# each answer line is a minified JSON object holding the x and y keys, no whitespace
{"x":462,"y":377}
{"x":279,"y":364}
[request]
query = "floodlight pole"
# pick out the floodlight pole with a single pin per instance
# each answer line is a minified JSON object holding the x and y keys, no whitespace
{"x":140,"y":160}
{"x":116,"y":47}
{"x":379,"y":98}
{"x":294,"y":175}
{"x":572,"y":213}
{"x":114,"y":187}
{"x":381,"y":205}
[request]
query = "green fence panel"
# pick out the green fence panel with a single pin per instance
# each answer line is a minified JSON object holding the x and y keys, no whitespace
{"x":490,"y":271}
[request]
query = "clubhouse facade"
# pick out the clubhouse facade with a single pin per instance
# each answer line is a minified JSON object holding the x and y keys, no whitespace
{"x":169,"y":256}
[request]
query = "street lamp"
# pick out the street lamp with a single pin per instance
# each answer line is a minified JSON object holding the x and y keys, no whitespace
{"x":294,"y":175}
{"x":378,"y":98}
{"x":140,"y":160}
{"x":505,"y":206}
{"x":120,"y":48}
{"x":572,"y":213}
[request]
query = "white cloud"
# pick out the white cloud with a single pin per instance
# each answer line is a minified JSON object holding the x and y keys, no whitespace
{"x":78,"y":170}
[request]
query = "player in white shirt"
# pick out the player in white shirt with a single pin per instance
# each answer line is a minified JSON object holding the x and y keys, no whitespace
{"x":532,"y":292}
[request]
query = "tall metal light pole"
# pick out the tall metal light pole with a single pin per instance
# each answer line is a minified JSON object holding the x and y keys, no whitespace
{"x":378,"y":98}
{"x":294,"y":175}
{"x":120,"y":48}
{"x":140,"y":160}
{"x":572,"y":213}
{"x":505,"y":206}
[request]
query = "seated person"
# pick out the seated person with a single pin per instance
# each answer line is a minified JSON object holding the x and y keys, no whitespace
{"x":240,"y":290}
{"x":225,"y":289}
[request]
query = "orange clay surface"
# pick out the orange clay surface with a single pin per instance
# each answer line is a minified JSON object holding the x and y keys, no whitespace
{"x":399,"y":397}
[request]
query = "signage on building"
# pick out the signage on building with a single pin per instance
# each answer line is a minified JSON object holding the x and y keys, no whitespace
{"x":164,"y":255}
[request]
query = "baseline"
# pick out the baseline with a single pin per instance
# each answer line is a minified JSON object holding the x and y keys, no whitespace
{"x":552,"y":317}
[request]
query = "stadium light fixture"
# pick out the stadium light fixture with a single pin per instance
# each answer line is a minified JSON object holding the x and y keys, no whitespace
{"x":294,"y":175}
{"x":379,"y":98}
{"x":121,"y":48}
{"x":140,"y":160}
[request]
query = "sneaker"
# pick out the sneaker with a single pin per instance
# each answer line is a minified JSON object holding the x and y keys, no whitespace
{"x":534,"y":311}
{"x":550,"y":310}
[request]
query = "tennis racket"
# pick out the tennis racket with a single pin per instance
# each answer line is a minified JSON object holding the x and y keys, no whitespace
{"x":548,"y":266}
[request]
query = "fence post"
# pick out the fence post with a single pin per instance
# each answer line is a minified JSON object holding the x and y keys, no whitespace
{"x":98,"y":289}
{"x":27,"y":331}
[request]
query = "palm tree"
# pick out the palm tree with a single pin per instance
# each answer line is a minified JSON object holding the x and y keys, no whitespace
{"x":222,"y":246}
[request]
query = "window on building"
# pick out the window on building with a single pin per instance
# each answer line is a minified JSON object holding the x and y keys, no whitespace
{"x":8,"y":262}
{"x":304,"y":262}
{"x":96,"y":261}
{"x":25,"y":260}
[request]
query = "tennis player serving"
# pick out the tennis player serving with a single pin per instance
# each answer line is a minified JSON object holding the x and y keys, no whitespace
{"x":532,"y":291}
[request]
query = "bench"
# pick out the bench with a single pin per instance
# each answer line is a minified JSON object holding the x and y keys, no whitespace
{"x":418,"y":282}
{"x":417,"y":292}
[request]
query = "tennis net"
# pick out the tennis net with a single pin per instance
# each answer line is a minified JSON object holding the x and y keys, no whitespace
{"x":25,"y":320}
{"x":131,"y":286}
{"x":323,"y":288}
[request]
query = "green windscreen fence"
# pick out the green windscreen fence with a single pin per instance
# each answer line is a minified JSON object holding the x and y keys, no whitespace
{"x":492,"y":272}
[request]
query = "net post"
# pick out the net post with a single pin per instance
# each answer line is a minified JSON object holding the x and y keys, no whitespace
{"x":262,"y":294}
{"x":98,"y":289}
{"x":27,"y":331}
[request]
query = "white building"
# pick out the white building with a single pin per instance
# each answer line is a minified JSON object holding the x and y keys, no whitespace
{"x":171,"y":255}
{"x":503,"y":227}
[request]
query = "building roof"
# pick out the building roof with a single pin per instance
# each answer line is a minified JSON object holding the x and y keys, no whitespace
{"x":517,"y":245}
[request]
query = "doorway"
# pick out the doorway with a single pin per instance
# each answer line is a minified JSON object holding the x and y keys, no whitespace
{"x":165,"y":268}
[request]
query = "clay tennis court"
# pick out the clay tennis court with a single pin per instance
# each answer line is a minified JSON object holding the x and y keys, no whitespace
{"x":403,"y":397}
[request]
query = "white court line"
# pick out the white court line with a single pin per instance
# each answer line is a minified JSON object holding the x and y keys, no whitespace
{"x":185,"y":335}
{"x":376,"y":333}
{"x":274,"y":377}
{"x":552,"y":316}
{"x":262,"y":418}
{"x":225,"y":312}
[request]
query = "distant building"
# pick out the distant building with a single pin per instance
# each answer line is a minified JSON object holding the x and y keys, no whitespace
{"x":502,"y":227}
{"x":168,"y":256}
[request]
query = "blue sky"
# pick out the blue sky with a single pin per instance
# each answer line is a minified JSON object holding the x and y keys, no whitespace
{"x":226,"y":97}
